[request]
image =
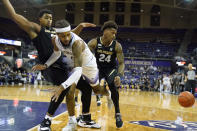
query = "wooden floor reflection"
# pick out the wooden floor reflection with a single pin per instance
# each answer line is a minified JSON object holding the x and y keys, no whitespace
{"x":134,"y":106}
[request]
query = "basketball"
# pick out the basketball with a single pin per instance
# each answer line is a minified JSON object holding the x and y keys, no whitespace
{"x":186,"y":99}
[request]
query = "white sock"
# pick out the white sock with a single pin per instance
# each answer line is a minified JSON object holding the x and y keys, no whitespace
{"x":48,"y":117}
{"x":118,"y":114}
{"x":73,"y":118}
{"x":86,"y":114}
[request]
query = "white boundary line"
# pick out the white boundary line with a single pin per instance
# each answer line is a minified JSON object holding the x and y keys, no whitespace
{"x":52,"y":119}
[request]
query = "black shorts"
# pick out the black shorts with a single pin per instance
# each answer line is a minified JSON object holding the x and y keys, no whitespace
{"x":55,"y":75}
{"x":108,"y":74}
{"x":58,"y":72}
{"x":83,"y":84}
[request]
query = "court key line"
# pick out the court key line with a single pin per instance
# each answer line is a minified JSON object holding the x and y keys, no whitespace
{"x":33,"y":128}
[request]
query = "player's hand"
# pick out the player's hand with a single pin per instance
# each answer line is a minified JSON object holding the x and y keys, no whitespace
{"x":117,"y":81}
{"x":39,"y":67}
{"x":57,"y":92}
{"x":84,"y":25}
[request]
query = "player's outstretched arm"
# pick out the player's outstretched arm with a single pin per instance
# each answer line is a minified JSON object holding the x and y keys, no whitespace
{"x":77,"y":30}
{"x":29,"y":27}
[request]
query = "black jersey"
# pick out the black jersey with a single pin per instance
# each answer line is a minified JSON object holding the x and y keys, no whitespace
{"x":58,"y":72}
{"x":105,"y":56}
{"x":43,"y":44}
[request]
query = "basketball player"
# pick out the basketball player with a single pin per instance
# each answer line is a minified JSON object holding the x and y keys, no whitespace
{"x":84,"y":61}
{"x":166,"y":83}
{"x":41,"y":38}
{"x":107,"y":50}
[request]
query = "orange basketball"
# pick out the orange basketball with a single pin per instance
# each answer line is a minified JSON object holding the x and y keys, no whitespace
{"x":186,"y":99}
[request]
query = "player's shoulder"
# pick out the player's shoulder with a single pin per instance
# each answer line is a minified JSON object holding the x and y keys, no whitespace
{"x":78,"y":43}
{"x":93,"y":41}
{"x":118,"y":46}
{"x":74,"y":34}
{"x":117,"y":42}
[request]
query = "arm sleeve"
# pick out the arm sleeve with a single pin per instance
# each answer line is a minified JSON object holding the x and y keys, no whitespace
{"x":73,"y":78}
{"x":53,"y":58}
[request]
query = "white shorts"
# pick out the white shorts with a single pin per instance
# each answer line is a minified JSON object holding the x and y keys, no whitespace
{"x":91,"y":73}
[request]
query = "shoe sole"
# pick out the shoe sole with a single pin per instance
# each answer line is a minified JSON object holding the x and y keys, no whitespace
{"x":69,"y":130}
{"x":72,"y":129}
{"x":87,"y":126}
{"x":43,"y":130}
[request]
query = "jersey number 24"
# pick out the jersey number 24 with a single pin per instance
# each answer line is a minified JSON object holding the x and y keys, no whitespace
{"x":104,"y":58}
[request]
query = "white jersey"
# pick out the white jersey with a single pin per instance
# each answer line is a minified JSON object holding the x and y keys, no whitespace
{"x":89,"y":66}
{"x":87,"y":56}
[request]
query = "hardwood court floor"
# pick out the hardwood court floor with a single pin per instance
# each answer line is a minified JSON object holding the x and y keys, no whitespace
{"x":141,"y":111}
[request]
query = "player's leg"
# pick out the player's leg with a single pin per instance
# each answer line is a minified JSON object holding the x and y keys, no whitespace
{"x":188,"y":85}
{"x":76,"y":95}
{"x":70,"y":101}
{"x":169,"y":88}
{"x":98,"y":100}
{"x":193,"y":86}
{"x":91,"y":75}
{"x":85,"y":120}
{"x":115,"y":96}
{"x":98,"y":97}
{"x":164,"y":87}
{"x":175,"y":88}
{"x":56,"y":76}
{"x":46,"y":123}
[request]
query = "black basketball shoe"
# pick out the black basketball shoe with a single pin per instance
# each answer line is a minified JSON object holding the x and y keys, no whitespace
{"x":119,"y":122}
{"x":85,"y":121}
{"x":45,"y":125}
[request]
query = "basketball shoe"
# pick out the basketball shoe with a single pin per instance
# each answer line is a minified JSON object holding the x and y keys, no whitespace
{"x":72,"y":124}
{"x":119,"y":122}
{"x":45,"y":125}
{"x":85,"y":121}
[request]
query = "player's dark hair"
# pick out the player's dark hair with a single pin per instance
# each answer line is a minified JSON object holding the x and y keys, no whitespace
{"x":44,"y":11}
{"x":61,"y":23}
{"x":109,"y":24}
